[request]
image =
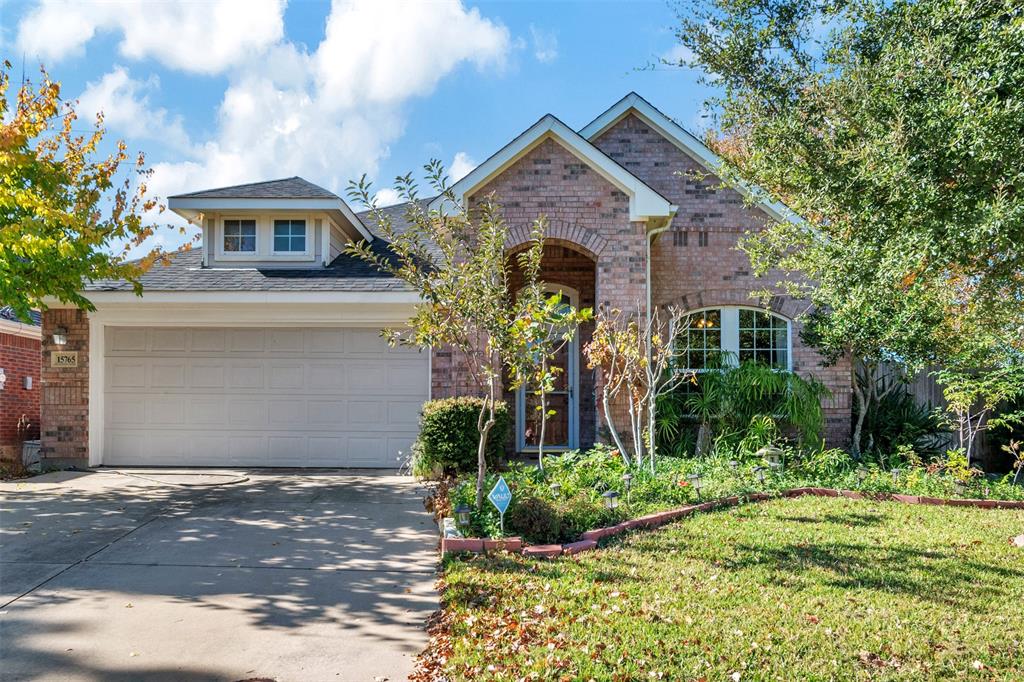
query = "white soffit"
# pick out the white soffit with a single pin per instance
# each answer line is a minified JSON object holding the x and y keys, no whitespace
{"x":644,"y":202}
{"x":685,"y":141}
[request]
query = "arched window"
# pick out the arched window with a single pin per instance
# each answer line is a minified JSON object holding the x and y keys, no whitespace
{"x":735,"y":333}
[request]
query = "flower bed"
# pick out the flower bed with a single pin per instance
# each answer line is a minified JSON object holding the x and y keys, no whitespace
{"x":588,"y":540}
{"x":565,"y":501}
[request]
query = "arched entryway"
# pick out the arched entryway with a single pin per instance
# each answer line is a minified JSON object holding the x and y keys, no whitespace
{"x":568,"y":268}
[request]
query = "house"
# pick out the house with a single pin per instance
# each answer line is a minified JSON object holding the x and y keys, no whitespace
{"x":262,"y":347}
{"x":19,"y":382}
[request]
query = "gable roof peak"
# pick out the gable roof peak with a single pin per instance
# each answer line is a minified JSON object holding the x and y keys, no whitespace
{"x":687,"y":142}
{"x":644,"y":202}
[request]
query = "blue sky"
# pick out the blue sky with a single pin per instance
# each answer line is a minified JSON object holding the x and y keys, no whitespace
{"x":221,"y":92}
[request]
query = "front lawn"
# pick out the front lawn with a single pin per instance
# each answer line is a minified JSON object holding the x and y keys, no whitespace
{"x":797,"y":589}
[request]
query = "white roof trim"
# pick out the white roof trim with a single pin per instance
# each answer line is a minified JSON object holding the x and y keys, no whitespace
{"x":685,"y":141}
{"x":191,"y":208}
{"x":644,"y":202}
{"x":31,"y":331}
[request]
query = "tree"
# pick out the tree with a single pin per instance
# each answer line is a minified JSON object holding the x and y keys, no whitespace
{"x":895,"y":129}
{"x":65,"y":217}
{"x":637,"y":357}
{"x":545,"y":326}
{"x":455,"y":260}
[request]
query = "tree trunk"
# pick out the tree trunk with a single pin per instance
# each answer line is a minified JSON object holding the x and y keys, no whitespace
{"x":543,"y":414}
{"x":651,"y":448}
{"x":862,"y":410}
{"x":484,"y":427}
{"x":611,"y":426}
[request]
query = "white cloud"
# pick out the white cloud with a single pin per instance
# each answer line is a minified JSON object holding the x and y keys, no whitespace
{"x":387,"y":51}
{"x":329,"y":115}
{"x":387,"y":197}
{"x":677,"y":54}
{"x":126,"y":108}
{"x":460,"y":166}
{"x":545,"y":44}
{"x":201,"y":37}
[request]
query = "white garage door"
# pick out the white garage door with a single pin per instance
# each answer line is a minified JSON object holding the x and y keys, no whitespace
{"x":259,"y":397}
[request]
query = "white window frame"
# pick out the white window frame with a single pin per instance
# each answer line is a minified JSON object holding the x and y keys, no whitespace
{"x":730,"y":321}
{"x":307,"y":254}
{"x":236,"y":255}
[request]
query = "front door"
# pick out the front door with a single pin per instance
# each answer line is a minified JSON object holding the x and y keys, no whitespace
{"x":562,"y":429}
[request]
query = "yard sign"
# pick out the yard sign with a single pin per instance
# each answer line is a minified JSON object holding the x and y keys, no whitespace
{"x":500,"y":496}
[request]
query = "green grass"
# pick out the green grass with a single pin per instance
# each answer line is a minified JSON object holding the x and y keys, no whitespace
{"x":800,"y":589}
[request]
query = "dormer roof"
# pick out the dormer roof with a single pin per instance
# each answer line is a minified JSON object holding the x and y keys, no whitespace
{"x":270,"y":195}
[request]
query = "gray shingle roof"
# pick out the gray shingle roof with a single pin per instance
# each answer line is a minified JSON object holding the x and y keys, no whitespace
{"x":185,"y":273}
{"x":7,"y":313}
{"x":285,"y":188}
{"x":397,"y":215}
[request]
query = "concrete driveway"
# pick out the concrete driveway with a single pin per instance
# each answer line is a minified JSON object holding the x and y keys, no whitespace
{"x":290,"y":575}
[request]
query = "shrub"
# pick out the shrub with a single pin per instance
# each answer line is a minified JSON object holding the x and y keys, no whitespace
{"x":448,"y":436}
{"x":535,"y":519}
{"x":896,"y":420}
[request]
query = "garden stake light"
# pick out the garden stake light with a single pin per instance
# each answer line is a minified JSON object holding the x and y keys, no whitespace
{"x":556,"y":490}
{"x":697,"y":482}
{"x":734,"y":465}
{"x":627,"y":480}
{"x":759,"y":470}
{"x":611,"y":499}
{"x":896,"y":475}
{"x":862,"y":473}
{"x":462,"y":514}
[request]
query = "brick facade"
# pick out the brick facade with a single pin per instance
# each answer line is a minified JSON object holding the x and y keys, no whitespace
{"x":65,"y":392}
{"x":19,"y":406}
{"x":696,"y":263}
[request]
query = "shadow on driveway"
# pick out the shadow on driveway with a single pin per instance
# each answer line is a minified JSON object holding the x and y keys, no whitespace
{"x":293,"y":575}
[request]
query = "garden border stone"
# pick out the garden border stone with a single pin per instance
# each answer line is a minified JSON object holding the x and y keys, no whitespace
{"x":589,"y":539}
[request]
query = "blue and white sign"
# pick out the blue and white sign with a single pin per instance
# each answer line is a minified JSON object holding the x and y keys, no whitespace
{"x":500,"y":496}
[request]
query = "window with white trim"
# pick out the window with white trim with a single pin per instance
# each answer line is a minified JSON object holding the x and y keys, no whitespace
{"x":736,"y":334}
{"x":289,"y":236}
{"x":239,"y":236}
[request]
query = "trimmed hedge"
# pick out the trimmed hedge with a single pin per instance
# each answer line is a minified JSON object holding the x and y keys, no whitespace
{"x":448,"y":436}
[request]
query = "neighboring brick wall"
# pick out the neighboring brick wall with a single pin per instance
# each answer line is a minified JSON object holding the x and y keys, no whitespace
{"x":19,"y":358}
{"x":65,"y":392}
{"x":696,"y":263}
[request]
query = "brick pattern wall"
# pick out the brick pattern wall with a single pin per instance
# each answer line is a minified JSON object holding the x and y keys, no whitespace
{"x":19,"y":407}
{"x":584,"y":212}
{"x":65,"y":392}
{"x":696,"y":263}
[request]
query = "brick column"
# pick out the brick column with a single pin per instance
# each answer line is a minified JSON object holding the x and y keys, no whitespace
{"x":65,"y":393}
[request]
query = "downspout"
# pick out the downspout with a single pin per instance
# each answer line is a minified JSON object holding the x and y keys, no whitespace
{"x":651,"y":234}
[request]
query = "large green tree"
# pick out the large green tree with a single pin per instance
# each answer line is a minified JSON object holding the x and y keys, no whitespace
{"x":895,"y":129}
{"x":67,"y":214}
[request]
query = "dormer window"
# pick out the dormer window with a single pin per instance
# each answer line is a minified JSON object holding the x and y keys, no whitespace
{"x":240,"y":236}
{"x":289,"y":236}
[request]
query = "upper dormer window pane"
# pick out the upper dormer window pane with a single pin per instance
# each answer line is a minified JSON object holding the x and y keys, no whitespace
{"x":239,"y":236}
{"x":289,"y":236}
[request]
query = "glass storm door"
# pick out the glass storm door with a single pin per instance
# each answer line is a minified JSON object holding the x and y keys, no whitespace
{"x":562,"y":429}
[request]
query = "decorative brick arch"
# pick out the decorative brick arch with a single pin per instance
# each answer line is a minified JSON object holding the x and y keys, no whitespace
{"x":562,"y":233}
{"x":784,"y":306}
